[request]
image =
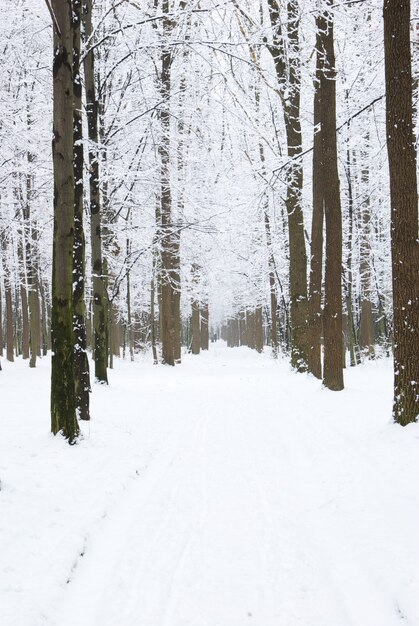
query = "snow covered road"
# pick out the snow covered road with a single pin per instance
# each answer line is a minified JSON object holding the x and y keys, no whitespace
{"x":226,"y":492}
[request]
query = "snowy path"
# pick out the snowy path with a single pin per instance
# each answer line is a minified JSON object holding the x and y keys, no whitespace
{"x":265,"y":501}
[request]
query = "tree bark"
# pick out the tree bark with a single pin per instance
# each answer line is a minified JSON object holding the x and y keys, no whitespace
{"x":258,"y":323}
{"x":44,"y":322}
{"x":100,"y":304}
{"x":204,"y":327}
{"x":196,"y":331}
{"x":63,"y":405}
{"x":316,"y":261}
{"x":404,"y":209}
{"x":152,"y":312}
{"x":168,"y":252}
{"x":289,"y":78}
{"x":32,"y":273}
{"x":81,"y":361}
{"x":272,"y":286}
{"x":366,"y":330}
{"x":176,"y":293}
{"x":23,"y":295}
{"x":352,"y":334}
{"x":129,"y":315}
{"x":332,"y":319}
{"x":9,"y":324}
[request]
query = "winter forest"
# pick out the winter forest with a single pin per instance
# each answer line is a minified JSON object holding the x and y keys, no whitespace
{"x":209,"y":312}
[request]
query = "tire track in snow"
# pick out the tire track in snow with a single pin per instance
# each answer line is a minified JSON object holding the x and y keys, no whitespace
{"x":179,"y":571}
{"x":295,"y":593}
{"x":112,"y":541}
{"x":167,"y":544}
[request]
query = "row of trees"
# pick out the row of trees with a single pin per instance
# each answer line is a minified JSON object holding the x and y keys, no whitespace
{"x":231,"y":164}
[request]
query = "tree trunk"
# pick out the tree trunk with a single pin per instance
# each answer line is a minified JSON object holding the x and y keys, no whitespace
{"x":242,"y":328}
{"x":272,"y":286}
{"x":168,"y":264}
{"x":23,"y":298}
{"x":152,"y":312}
{"x":114,"y":323}
{"x":196,"y":331}
{"x":35,"y":322}
{"x":352,"y":334}
{"x":204,"y":327}
{"x":177,"y":324}
{"x":366,"y":330}
{"x":33,"y":282}
{"x":288,"y":72}
{"x":332,"y":320}
{"x":258,"y":322}
{"x":63,"y":405}
{"x":129,"y":316}
{"x":316,"y":261}
{"x":44,"y":323}
{"x":404,"y":209}
{"x":9,"y":324}
{"x":81,"y":361}
{"x":250,"y":327}
{"x":100,"y":304}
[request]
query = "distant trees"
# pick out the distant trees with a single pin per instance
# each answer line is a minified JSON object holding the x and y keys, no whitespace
{"x":193,"y":130}
{"x":404,"y":209}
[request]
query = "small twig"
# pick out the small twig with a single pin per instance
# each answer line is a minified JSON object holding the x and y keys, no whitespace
{"x":54,"y":19}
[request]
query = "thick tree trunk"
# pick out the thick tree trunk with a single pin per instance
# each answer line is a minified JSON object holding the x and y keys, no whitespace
{"x":100,"y":301}
{"x":332,"y":320}
{"x":81,"y":361}
{"x":289,"y":78}
{"x":168,"y":244}
{"x":63,"y":405}
{"x":404,"y":209}
{"x":316,"y":261}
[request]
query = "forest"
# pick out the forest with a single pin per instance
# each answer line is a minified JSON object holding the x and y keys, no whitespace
{"x":209,"y":288}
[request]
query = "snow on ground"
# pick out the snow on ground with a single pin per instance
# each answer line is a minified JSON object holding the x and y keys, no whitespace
{"x":228,"y":491}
